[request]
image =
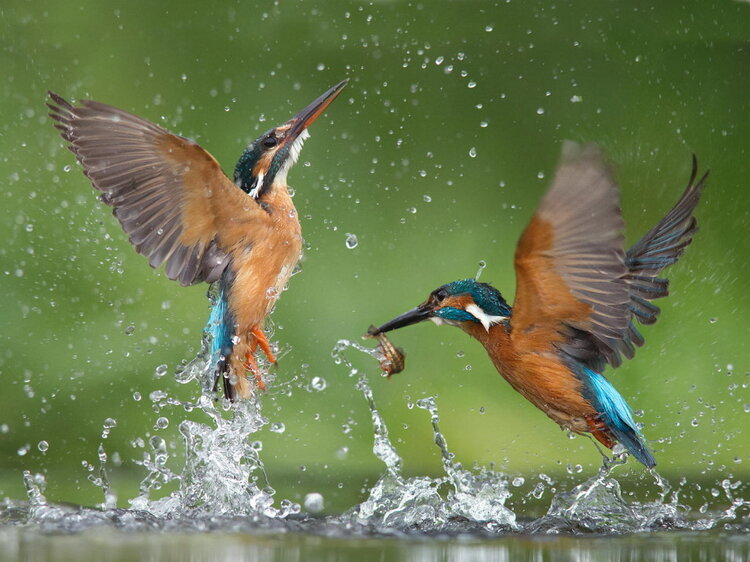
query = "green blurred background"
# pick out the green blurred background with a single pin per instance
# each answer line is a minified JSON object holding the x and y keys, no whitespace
{"x":435,"y":157}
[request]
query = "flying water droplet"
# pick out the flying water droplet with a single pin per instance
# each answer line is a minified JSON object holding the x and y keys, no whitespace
{"x":107,"y":426}
{"x":351,"y":241}
{"x":314,"y":502}
{"x":482,"y":265}
{"x":43,"y":446}
{"x":473,"y":152}
{"x":278,"y":427}
{"x":161,"y":370}
{"x":318,"y":383}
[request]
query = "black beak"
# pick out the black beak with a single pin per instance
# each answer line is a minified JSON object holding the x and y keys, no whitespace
{"x":307,"y":116}
{"x":415,"y":315}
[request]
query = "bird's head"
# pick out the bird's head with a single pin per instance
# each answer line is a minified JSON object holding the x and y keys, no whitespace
{"x":457,"y":303}
{"x":269,"y":157}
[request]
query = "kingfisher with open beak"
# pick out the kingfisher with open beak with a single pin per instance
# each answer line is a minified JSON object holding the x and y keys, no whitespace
{"x":578,"y":297}
{"x":180,"y":209}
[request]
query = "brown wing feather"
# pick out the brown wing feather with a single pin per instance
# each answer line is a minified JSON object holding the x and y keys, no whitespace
{"x":570,"y":259}
{"x":165,"y":190}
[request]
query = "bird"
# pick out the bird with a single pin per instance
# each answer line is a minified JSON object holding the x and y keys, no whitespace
{"x":578,"y":298}
{"x":178,"y":208}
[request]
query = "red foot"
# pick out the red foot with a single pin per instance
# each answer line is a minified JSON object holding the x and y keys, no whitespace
{"x":262,"y":341}
{"x":600,"y":431}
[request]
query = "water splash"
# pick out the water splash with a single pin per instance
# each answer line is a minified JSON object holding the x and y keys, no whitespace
{"x":223,"y":473}
{"x":419,"y":503}
{"x":223,"y":486}
{"x":471,"y":501}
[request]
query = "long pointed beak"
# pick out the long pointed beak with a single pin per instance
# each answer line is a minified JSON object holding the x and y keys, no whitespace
{"x":307,"y":116}
{"x":415,"y":315}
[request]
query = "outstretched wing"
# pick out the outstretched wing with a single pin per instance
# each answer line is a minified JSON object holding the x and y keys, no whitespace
{"x":166,"y":191}
{"x":570,"y":260}
{"x":573,"y":275}
{"x":658,"y":248}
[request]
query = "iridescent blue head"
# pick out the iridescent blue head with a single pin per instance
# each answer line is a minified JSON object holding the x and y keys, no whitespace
{"x":455,"y":303}
{"x":267,"y":160}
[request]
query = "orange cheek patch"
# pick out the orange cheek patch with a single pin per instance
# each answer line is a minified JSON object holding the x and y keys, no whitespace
{"x":460,"y":302}
{"x":264,"y":164}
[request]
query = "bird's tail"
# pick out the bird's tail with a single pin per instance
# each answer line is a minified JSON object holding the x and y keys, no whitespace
{"x":220,"y":328}
{"x":617,"y":417}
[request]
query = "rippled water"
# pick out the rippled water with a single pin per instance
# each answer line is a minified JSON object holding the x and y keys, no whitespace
{"x":223,"y":507}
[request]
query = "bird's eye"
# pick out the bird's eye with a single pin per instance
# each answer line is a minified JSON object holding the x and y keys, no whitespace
{"x":270,"y":142}
{"x":440,"y":295}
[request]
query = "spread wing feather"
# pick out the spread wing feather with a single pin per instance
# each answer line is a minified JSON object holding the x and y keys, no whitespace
{"x":156,"y":182}
{"x":572,"y":271}
{"x":570,"y":260}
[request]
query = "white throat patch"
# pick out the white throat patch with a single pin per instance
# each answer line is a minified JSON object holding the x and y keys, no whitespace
{"x":258,"y":185}
{"x":487,"y":320}
{"x":291,"y":160}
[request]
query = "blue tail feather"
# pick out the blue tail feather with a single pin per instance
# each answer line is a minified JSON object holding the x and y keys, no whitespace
{"x":617,"y":415}
{"x":220,"y":328}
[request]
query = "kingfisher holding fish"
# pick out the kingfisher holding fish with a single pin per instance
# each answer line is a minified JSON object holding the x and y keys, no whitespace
{"x":578,"y":297}
{"x":180,"y":209}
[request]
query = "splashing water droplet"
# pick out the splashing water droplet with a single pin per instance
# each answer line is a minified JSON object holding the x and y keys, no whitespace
{"x":43,"y":446}
{"x":278,"y":427}
{"x":318,"y":383}
{"x":272,"y":293}
{"x":161,"y":370}
{"x":314,"y":502}
{"x":482,"y":265}
{"x":351,"y":241}
{"x":473,"y":152}
{"x":161,"y":423}
{"x":107,"y":426}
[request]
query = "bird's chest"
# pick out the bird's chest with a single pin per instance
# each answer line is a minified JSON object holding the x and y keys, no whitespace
{"x":263,"y":264}
{"x":543,"y":379}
